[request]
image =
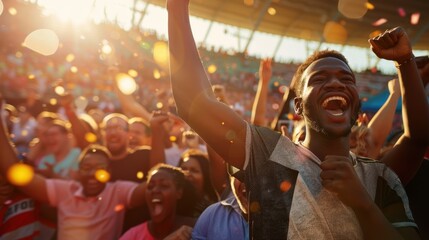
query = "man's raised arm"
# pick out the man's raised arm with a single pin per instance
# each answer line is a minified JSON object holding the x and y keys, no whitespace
{"x":215,"y":122}
{"x":405,"y":158}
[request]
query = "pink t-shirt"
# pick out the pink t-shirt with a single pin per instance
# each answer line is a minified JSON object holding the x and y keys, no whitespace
{"x":89,"y":218}
{"x":139,"y":232}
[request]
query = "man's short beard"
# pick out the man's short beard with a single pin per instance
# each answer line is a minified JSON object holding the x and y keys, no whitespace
{"x":314,"y":124}
{"x":118,"y":151}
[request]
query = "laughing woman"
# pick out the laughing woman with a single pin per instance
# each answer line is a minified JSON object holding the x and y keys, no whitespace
{"x":170,"y":199}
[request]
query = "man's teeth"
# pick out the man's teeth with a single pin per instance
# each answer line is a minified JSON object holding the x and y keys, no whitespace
{"x":338,"y":98}
{"x":156,"y":200}
{"x":336,"y":112}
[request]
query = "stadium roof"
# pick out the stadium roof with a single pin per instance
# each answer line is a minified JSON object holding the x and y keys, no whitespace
{"x":306,"y":19}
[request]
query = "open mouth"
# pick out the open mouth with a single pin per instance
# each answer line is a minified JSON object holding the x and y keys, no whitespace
{"x":335,"y":105}
{"x":157,"y":206}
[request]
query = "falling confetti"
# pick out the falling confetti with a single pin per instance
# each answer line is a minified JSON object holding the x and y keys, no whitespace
{"x":43,"y":41}
{"x":379,"y":22}
{"x":415,"y":17}
{"x":402,"y":12}
{"x":353,"y":9}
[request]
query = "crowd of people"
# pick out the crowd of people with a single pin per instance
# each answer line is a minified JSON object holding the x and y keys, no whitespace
{"x":198,"y":154}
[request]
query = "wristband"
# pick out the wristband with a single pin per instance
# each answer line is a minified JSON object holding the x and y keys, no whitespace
{"x":399,"y":64}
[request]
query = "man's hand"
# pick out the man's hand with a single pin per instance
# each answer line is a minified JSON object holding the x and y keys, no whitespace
{"x":265,"y":70}
{"x":339,"y":176}
{"x":393,"y":44}
{"x":183,"y":233}
{"x":394,"y":87}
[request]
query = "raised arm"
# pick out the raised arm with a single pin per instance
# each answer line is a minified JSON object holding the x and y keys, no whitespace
{"x":260,"y":102}
{"x":78,"y":128}
{"x":406,"y":156}
{"x":216,"y":123}
{"x":381,"y":123}
{"x":36,"y":188}
{"x":130,"y":106}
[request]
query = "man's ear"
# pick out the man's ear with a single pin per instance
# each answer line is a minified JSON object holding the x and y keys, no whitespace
{"x":298,"y":105}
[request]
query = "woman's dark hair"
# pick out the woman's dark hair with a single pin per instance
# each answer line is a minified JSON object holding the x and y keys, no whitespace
{"x":186,"y":204}
{"x":95,"y":149}
{"x":203,"y":160}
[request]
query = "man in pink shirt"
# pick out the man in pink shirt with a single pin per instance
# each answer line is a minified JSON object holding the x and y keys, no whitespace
{"x":92,"y":208}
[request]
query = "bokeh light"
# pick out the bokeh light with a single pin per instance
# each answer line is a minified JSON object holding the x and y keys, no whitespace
{"x":106,"y":49}
{"x":102,"y":175}
{"x":81,"y":102}
{"x":70,"y":57}
{"x":140,"y":175}
{"x":335,"y":33}
{"x":74,"y":69}
{"x":119,"y":207}
{"x":20,"y":174}
{"x":126,"y":84}
{"x":248,"y":2}
{"x":370,"y":6}
{"x":160,"y":54}
{"x":60,"y":90}
{"x":156,"y":74}
{"x":211,"y":69}
{"x":173,"y":138}
{"x":53,"y":101}
{"x":43,"y":41}
{"x":90,"y":137}
{"x":12,"y":11}
{"x":285,"y":186}
{"x":353,"y":9}
{"x":272,"y":11}
{"x":133,"y":73}
{"x":159,"y":105}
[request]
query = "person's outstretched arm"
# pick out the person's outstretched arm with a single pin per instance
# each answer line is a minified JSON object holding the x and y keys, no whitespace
{"x":406,"y":156}
{"x":36,"y":188}
{"x":260,"y":102}
{"x":216,"y":123}
{"x":381,"y":123}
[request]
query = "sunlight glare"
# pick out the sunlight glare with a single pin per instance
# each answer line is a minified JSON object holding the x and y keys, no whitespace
{"x":1,"y":7}
{"x":76,"y":11}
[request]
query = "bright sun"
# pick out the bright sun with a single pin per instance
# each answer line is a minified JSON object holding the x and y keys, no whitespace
{"x":75,"y":11}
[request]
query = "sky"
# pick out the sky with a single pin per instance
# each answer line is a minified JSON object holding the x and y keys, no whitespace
{"x":221,"y":36}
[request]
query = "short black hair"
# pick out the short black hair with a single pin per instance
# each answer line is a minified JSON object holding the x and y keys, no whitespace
{"x":95,"y":149}
{"x":297,"y":78}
